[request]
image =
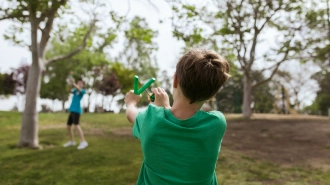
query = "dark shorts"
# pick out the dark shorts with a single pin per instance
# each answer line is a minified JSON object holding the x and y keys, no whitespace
{"x":73,"y":118}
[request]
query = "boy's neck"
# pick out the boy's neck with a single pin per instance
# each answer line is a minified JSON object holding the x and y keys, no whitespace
{"x":182,"y":109}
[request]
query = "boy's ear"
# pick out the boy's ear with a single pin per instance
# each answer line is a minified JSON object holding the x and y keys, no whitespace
{"x":175,"y":81}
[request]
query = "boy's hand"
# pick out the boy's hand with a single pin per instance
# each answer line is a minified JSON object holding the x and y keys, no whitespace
{"x":161,"y":98}
{"x":132,"y":98}
{"x":131,"y":101}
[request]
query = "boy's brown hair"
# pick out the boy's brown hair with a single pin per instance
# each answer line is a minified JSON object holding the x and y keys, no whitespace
{"x":201,"y":73}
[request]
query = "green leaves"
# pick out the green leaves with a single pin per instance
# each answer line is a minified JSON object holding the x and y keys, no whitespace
{"x":191,"y":11}
{"x":54,"y":85}
{"x":140,"y":47}
{"x":139,"y":31}
{"x":235,"y":29}
{"x":224,"y":31}
{"x":124,"y":75}
{"x":14,"y":35}
{"x":7,"y":84}
{"x":322,"y":101}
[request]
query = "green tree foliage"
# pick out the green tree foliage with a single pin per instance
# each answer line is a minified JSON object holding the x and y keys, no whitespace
{"x":238,"y":27}
{"x":321,"y":103}
{"x":108,"y":85}
{"x":87,"y":64}
{"x":139,"y":49}
{"x":94,"y":66}
{"x":263,"y":95}
{"x":318,"y":43}
{"x":125,"y":76}
{"x":7,"y":84}
{"x":138,"y":56}
{"x":230,"y":97}
{"x":38,"y":17}
{"x":317,"y":34}
{"x":297,"y":80}
{"x":82,"y":65}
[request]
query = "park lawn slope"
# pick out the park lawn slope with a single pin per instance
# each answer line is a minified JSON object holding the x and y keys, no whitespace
{"x":114,"y":157}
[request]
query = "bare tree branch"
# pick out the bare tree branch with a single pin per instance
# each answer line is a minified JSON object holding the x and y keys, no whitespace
{"x":129,"y":7}
{"x":255,"y":36}
{"x":44,"y":15}
{"x":46,"y":34}
{"x":152,"y":4}
{"x":268,"y":68}
{"x":274,"y":71}
{"x":241,"y":59}
{"x":269,"y":17}
{"x":78,"y":49}
{"x":237,"y":24}
{"x":50,"y":14}
{"x":258,"y":30}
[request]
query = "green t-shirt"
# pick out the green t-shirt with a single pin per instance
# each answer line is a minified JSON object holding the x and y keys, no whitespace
{"x":178,"y":152}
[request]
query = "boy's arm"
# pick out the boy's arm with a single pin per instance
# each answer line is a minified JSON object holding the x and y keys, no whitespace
{"x":76,"y":86}
{"x":131,"y":113}
{"x":131,"y":101}
{"x":71,"y":88}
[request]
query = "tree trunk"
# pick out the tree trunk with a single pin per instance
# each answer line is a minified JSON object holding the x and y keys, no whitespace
{"x":20,"y":99}
{"x":63,"y":105}
{"x":111,"y":101}
{"x":89,"y":102}
{"x":54,"y":105}
{"x":247,"y":93}
{"x":102,"y":103}
{"x":297,"y":102}
{"x":29,"y":128}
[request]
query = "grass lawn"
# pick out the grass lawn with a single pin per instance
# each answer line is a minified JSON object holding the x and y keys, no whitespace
{"x":115,"y":157}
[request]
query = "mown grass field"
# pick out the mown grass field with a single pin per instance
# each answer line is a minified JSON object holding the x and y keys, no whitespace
{"x":114,"y":157}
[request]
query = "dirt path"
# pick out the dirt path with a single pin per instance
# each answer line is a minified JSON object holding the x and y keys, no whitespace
{"x":285,"y":142}
{"x":122,"y":132}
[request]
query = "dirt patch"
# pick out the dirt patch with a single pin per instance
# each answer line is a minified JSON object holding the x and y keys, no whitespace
{"x":95,"y":131}
{"x":285,"y":142}
{"x":45,"y":127}
{"x":296,"y":117}
{"x":123,"y":131}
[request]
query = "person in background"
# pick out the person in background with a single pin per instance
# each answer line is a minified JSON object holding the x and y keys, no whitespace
{"x":75,"y":111}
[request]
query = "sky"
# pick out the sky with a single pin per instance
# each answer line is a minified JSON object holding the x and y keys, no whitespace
{"x":169,"y":47}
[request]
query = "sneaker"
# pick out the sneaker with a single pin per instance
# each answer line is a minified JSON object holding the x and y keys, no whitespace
{"x":82,"y":145}
{"x":69,"y":143}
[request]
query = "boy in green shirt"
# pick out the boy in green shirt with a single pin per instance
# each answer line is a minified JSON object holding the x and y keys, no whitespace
{"x":180,"y":144}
